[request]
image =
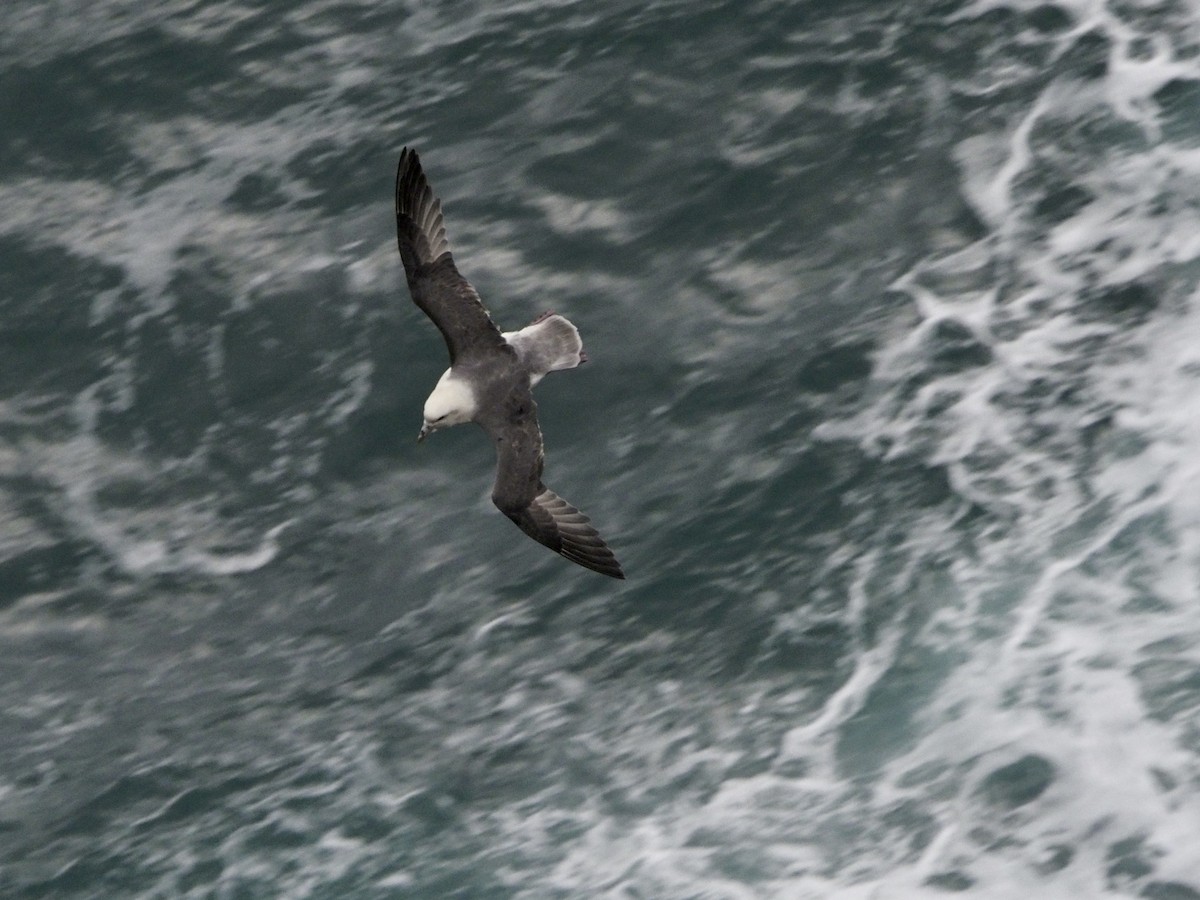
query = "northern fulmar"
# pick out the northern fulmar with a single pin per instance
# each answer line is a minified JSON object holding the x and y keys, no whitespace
{"x":491,"y":375}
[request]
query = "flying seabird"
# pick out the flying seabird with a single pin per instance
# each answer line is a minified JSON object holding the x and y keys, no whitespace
{"x":491,"y":375}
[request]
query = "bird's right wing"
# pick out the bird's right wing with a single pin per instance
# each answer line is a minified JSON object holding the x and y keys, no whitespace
{"x":434,"y":281}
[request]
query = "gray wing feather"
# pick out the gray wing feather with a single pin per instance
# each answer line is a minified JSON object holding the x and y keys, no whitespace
{"x":537,"y":510}
{"x":437,"y":287}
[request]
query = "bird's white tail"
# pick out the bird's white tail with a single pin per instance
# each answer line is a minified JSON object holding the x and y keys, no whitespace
{"x":549,"y":343}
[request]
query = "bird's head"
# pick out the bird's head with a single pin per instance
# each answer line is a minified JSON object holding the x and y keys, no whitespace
{"x":452,"y":402}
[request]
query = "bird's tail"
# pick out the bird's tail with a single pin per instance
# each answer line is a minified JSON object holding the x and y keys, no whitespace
{"x":549,"y":343}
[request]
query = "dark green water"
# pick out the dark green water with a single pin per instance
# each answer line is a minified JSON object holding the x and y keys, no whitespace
{"x":892,"y":313}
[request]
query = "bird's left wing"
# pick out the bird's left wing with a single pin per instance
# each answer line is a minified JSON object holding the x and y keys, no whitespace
{"x":537,"y":510}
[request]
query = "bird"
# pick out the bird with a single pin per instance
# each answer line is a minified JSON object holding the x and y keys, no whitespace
{"x":491,"y":376}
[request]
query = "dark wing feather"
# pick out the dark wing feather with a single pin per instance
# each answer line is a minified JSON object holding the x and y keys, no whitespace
{"x":436,"y":286}
{"x":551,"y":520}
{"x":540,"y":513}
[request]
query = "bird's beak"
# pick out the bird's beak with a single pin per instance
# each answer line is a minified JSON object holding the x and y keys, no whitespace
{"x":426,"y":431}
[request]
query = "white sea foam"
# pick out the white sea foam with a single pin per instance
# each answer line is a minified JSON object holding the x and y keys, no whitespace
{"x":1046,"y":610}
{"x":1053,"y":638}
{"x":1055,"y":670}
{"x":178,"y":536}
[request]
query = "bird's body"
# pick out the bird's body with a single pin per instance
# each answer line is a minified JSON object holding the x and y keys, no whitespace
{"x":491,"y":376}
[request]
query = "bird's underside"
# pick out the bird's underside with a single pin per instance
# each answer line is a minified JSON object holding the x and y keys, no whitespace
{"x":498,"y":375}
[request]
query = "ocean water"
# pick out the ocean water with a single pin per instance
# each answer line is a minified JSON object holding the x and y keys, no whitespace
{"x":892,"y":416}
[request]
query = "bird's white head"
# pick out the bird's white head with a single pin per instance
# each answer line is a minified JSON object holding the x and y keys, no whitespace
{"x":452,"y":402}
